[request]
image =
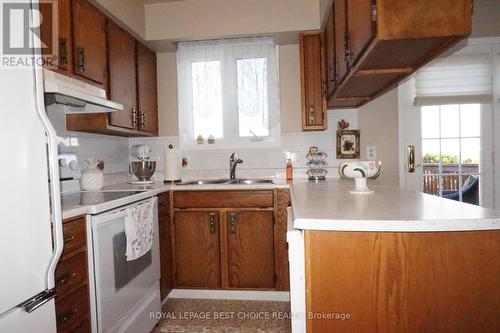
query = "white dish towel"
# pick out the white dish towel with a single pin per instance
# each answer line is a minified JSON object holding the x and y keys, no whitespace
{"x":139,"y":230}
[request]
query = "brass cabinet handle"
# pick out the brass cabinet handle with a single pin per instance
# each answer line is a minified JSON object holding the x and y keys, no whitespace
{"x":233,"y":219}
{"x":142,"y":121}
{"x":211,"y":220}
{"x":337,"y":75}
{"x":67,"y":316}
{"x":63,"y":51}
{"x":69,"y":239}
{"x":134,"y":117}
{"x":66,"y":278}
{"x":311,"y":119}
{"x":347,"y":49}
{"x":80,"y":52}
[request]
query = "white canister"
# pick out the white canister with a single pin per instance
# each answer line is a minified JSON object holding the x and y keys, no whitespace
{"x":92,"y":177}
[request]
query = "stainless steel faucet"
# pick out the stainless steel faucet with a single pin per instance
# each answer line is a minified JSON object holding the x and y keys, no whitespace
{"x":233,"y":162}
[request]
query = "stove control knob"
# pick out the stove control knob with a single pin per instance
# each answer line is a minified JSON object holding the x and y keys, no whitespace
{"x":63,"y":163}
{"x":73,"y":165}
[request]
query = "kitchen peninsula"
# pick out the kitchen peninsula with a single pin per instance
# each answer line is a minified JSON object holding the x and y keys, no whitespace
{"x":395,"y":261}
{"x":391,"y":261}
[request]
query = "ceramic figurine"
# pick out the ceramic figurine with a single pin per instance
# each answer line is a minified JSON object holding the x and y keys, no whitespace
{"x":93,"y":176}
{"x":360,"y":171}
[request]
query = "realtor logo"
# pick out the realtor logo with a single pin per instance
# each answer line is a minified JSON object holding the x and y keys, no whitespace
{"x":29,"y":33}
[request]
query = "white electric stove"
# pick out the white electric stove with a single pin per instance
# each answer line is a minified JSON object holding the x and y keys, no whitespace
{"x":122,"y":293}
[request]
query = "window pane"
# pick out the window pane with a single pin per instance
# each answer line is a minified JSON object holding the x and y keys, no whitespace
{"x":430,"y":151}
{"x":450,"y":121}
{"x":470,"y":120}
{"x":207,"y":99}
{"x":471,"y":189}
{"x":252,"y":97}
{"x":430,"y":122}
{"x":471,"y":152}
{"x":431,"y":183}
{"x":450,"y":150}
{"x":450,"y":186}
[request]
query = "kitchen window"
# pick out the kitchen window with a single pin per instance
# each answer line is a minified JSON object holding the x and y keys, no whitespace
{"x":228,"y":89}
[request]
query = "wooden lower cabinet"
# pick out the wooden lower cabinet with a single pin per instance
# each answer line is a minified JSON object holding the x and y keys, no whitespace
{"x":383,"y":282}
{"x":250,"y":249}
{"x":197,"y":261}
{"x":71,"y":276}
{"x":164,"y":227}
{"x":230,"y":247}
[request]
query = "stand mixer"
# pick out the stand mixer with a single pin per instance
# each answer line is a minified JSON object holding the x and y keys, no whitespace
{"x":143,"y":169}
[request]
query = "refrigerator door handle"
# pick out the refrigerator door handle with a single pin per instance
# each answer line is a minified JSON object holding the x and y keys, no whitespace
{"x":39,"y":300}
{"x":53,"y":165}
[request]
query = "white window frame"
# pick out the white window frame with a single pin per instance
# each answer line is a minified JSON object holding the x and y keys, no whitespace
{"x":229,"y":81}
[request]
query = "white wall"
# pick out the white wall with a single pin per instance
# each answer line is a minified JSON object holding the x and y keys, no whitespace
{"x":130,"y":12}
{"x":167,"y":94}
{"x":202,"y":19}
{"x":378,"y":122}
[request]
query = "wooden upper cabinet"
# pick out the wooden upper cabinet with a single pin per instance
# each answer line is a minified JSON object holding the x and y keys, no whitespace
{"x":64,"y":60}
{"x":197,"y":261}
{"x":330,"y":52}
{"x":313,"y":81}
{"x":89,"y":38}
{"x":250,"y":249}
{"x":340,"y":11}
{"x":147,"y":89}
{"x":360,"y":27}
{"x":387,"y":40}
{"x":122,"y":75}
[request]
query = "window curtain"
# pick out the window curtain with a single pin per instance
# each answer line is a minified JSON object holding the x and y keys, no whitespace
{"x":194,"y":77}
{"x":464,"y":77}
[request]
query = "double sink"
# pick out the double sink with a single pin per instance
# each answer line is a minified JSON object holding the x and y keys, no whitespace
{"x":237,"y":181}
{"x":234,"y":160}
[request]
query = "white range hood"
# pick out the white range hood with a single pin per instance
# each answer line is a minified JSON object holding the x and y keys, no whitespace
{"x":75,"y":95}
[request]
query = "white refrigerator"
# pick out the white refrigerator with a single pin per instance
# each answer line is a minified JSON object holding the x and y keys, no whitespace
{"x":30,"y":222}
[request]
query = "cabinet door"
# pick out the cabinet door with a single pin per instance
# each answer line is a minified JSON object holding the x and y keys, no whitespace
{"x":197,"y":249}
{"x":250,"y":238}
{"x":361,"y":27}
{"x":340,"y":36}
{"x":313,"y":81}
{"x":330,"y":52}
{"x":165,"y":247}
{"x":147,"y":89}
{"x":89,"y":38}
{"x":122,"y":75}
{"x":65,"y":55}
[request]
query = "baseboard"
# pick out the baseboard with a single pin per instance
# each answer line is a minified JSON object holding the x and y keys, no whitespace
{"x":246,"y":295}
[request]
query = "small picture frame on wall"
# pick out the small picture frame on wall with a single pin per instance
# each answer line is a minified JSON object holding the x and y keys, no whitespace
{"x":348,"y":142}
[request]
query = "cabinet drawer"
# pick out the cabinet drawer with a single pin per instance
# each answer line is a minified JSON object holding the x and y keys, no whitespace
{"x":70,"y":309}
{"x":223,"y":199}
{"x":74,"y":235}
{"x":71,"y":273}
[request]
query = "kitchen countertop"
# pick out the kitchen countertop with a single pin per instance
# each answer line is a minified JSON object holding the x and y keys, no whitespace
{"x":329,"y":206}
{"x":69,"y":211}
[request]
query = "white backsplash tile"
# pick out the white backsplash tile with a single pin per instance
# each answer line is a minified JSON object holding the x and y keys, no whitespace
{"x":113,"y":150}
